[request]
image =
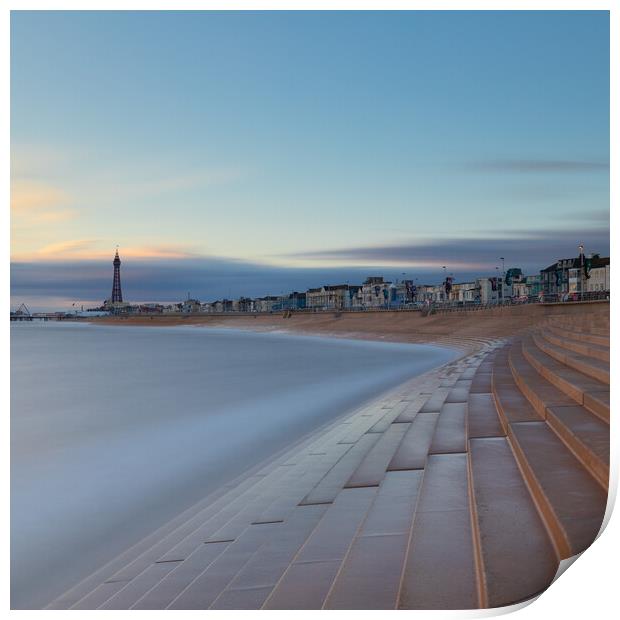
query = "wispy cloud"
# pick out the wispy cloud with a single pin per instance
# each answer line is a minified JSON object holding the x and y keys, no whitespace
{"x":535,"y":165}
{"x":596,"y":215}
{"x":523,"y":248}
{"x":165,"y":277}
{"x":99,"y":249}
{"x":73,"y":248}
{"x":35,"y":202}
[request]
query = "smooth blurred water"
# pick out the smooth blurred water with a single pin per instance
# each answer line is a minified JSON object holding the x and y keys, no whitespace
{"x":115,"y":430}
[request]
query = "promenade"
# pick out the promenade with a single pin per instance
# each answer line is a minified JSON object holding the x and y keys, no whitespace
{"x":463,"y":488}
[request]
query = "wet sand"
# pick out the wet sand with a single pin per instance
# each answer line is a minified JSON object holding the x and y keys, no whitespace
{"x":383,"y":326}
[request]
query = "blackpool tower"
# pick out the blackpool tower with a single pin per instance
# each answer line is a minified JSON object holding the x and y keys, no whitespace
{"x":117,"y":295}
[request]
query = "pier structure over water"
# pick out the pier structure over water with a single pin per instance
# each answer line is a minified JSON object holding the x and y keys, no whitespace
{"x":24,"y":314}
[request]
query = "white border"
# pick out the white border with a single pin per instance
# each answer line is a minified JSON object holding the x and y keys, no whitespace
{"x":587,"y":590}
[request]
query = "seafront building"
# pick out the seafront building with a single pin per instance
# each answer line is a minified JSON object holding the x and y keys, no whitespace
{"x":331,"y":297}
{"x":293,"y":301}
{"x":561,"y":281}
{"x":575,"y":275}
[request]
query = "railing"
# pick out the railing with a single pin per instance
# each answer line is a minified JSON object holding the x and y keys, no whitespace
{"x":534,"y":299}
{"x":424,"y":308}
{"x":573,"y":297}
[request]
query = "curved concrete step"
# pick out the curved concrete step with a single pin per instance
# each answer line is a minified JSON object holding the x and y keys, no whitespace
{"x":450,"y":431}
{"x":327,"y":488}
{"x":245,"y":576}
{"x":439,"y":570}
{"x":370,"y":575}
{"x":175,"y":528}
{"x":592,"y":367}
{"x":482,"y":417}
{"x":307,"y":581}
{"x":587,"y":337}
{"x":232,"y":524}
{"x":299,"y":540}
{"x":276,"y":487}
{"x":413,"y":407}
{"x":598,"y":403}
{"x":515,"y":558}
{"x":586,"y":435}
{"x":533,"y":385}
{"x":435,"y":402}
{"x":111,"y":584}
{"x":257,"y":579}
{"x":512,"y":405}
{"x":594,"y":335}
{"x":413,"y":449}
{"x":182,"y":575}
{"x":578,"y":346}
{"x":584,"y":390}
{"x":371,"y":471}
{"x":596,"y":327}
{"x":186,"y":533}
{"x":204,"y":590}
{"x":481,"y":383}
{"x":569,"y":498}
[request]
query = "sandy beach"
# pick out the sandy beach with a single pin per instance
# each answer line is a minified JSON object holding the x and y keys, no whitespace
{"x":409,"y":327}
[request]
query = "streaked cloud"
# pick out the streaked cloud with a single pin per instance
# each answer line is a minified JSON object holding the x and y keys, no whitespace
{"x":359,"y":153}
{"x":524,"y":248}
{"x":162,"y":280}
{"x":536,"y":165}
{"x":98,"y":249}
{"x":74,"y":247}
{"x":170,"y":278}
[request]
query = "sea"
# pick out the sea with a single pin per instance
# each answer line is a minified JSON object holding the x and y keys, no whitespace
{"x":115,"y":430}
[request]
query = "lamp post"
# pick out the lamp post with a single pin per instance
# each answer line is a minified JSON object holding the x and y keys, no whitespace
{"x":445,"y":294}
{"x":497,"y":279}
{"x":503,"y":278}
{"x":581,"y":258}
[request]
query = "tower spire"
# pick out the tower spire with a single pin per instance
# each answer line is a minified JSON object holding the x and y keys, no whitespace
{"x":117,"y":295}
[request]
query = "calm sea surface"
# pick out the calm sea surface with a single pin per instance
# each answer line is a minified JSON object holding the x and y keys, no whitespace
{"x":115,"y":430}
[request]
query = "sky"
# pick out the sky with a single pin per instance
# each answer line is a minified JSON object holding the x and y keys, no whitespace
{"x":253,"y":153}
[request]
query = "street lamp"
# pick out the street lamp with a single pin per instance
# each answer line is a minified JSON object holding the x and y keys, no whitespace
{"x":581,"y":257}
{"x":445,"y":295}
{"x":503,"y":278}
{"x":498,"y":288}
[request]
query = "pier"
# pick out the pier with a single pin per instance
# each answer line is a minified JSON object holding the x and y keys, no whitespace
{"x":24,"y":314}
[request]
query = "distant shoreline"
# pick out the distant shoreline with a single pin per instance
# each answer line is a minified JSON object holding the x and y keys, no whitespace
{"x":459,"y":328}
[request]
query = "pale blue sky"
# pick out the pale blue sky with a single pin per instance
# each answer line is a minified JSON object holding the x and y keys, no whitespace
{"x":285,"y":138}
